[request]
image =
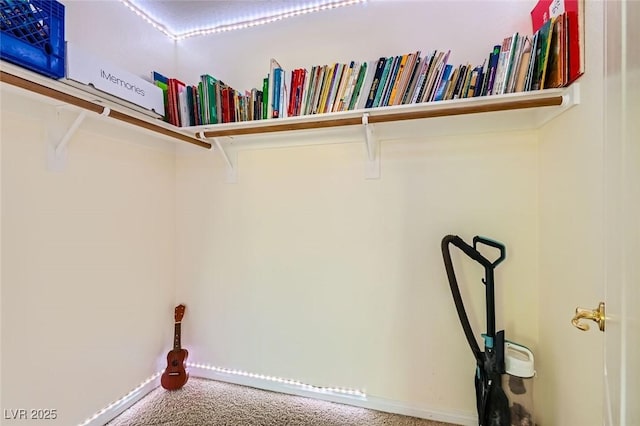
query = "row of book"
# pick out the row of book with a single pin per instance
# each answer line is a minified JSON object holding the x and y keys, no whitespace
{"x":547,"y":59}
{"x":210,"y":101}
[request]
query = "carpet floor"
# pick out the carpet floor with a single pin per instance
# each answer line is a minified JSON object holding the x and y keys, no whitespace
{"x":203,"y":402}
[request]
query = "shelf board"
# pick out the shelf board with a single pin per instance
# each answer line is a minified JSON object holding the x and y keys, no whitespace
{"x":533,"y":108}
{"x":509,"y":112}
{"x":54,"y":90}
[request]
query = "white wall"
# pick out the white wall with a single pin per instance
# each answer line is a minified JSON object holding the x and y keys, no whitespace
{"x":571,"y":246}
{"x":87,"y":264}
{"x":305,"y":270}
{"x":360,"y":32}
{"x":88,"y":278}
{"x":117,"y":35}
{"x":88,"y":281}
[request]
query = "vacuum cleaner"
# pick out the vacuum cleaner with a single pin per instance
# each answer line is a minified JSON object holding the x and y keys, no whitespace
{"x":491,"y":400}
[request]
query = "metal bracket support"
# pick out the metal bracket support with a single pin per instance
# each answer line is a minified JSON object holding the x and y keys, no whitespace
{"x":59,"y":138}
{"x":230,"y":158}
{"x":372,"y":164}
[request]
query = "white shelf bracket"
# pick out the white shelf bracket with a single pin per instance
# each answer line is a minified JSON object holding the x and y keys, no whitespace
{"x":59,"y":136}
{"x":372,"y":164}
{"x":230,"y":158}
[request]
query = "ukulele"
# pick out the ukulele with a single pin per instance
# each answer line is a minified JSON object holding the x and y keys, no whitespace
{"x":175,"y":375}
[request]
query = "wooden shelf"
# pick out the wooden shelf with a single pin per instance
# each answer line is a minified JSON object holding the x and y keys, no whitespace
{"x":55,"y":90}
{"x":509,"y":112}
{"x":545,"y":104}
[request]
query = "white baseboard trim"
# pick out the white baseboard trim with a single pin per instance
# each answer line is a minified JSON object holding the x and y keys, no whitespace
{"x":368,"y":401}
{"x":116,"y":408}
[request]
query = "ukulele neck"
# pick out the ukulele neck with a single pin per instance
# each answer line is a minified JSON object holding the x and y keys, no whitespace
{"x":176,"y":336}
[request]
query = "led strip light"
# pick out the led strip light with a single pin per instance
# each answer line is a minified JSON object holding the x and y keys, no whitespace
{"x":122,"y":400}
{"x":296,"y":383}
{"x":238,"y":25}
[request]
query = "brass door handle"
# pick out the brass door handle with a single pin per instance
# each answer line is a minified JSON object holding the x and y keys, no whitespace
{"x":596,"y":315}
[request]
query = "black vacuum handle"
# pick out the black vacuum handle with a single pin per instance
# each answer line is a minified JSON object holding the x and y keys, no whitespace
{"x":467,"y":249}
{"x":455,"y":290}
{"x":492,"y":243}
{"x":472,"y":251}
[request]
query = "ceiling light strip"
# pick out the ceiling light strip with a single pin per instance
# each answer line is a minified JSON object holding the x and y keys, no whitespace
{"x":141,"y":13}
{"x":267,"y":19}
{"x":238,"y":25}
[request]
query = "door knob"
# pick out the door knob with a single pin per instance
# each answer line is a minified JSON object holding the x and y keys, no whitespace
{"x":596,"y":315}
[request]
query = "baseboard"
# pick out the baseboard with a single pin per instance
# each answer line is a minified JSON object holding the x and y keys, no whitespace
{"x":368,"y":401}
{"x":116,"y":408}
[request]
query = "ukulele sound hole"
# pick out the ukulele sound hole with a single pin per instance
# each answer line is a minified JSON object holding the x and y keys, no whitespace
{"x":174,"y":363}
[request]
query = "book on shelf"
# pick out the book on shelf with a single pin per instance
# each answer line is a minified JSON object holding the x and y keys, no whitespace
{"x":442,"y":85}
{"x":209,"y":89}
{"x":523,"y":66}
{"x":541,"y":55}
{"x":273,"y":65}
{"x":301,"y":83}
{"x":555,"y":75}
{"x":545,"y":10}
{"x":492,"y":65}
{"x":458,"y":88}
{"x":504,"y":64}
{"x":411,"y":85}
{"x":340,"y":91}
{"x":510,"y":82}
{"x":475,"y":82}
{"x":357,"y":89}
{"x":448,"y":94}
{"x":375,"y":81}
{"x":276,"y":92}
{"x":333,"y":87}
{"x":436,"y":76}
{"x":326,"y":87}
{"x":405,"y":78}
{"x":352,"y":75}
{"x":284,"y":93}
{"x":265,"y":98}
{"x":466,"y":81}
{"x":421,"y":77}
{"x":309,"y":89}
{"x":398,"y":78}
{"x":319,"y":84}
{"x":384,"y":81}
{"x":391,"y":80}
{"x":343,"y":89}
{"x":162,"y":81}
{"x":385,"y":90}
{"x":515,"y":65}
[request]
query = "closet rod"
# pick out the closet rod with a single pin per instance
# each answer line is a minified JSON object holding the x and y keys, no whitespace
{"x":555,"y":100}
{"x":82,"y":103}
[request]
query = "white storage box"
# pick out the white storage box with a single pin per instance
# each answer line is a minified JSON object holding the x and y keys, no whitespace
{"x":92,"y":74}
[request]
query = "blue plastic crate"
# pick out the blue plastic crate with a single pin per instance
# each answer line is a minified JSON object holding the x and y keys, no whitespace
{"x":32,"y":35}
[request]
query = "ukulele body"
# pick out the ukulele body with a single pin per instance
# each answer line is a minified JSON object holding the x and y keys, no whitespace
{"x":175,"y":375}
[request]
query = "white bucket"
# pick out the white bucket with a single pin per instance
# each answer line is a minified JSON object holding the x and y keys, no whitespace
{"x":518,"y":383}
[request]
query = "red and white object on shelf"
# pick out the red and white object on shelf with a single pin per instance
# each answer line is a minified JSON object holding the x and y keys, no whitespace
{"x":574,"y":9}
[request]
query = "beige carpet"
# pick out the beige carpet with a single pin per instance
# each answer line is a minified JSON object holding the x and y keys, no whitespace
{"x":204,"y":402}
